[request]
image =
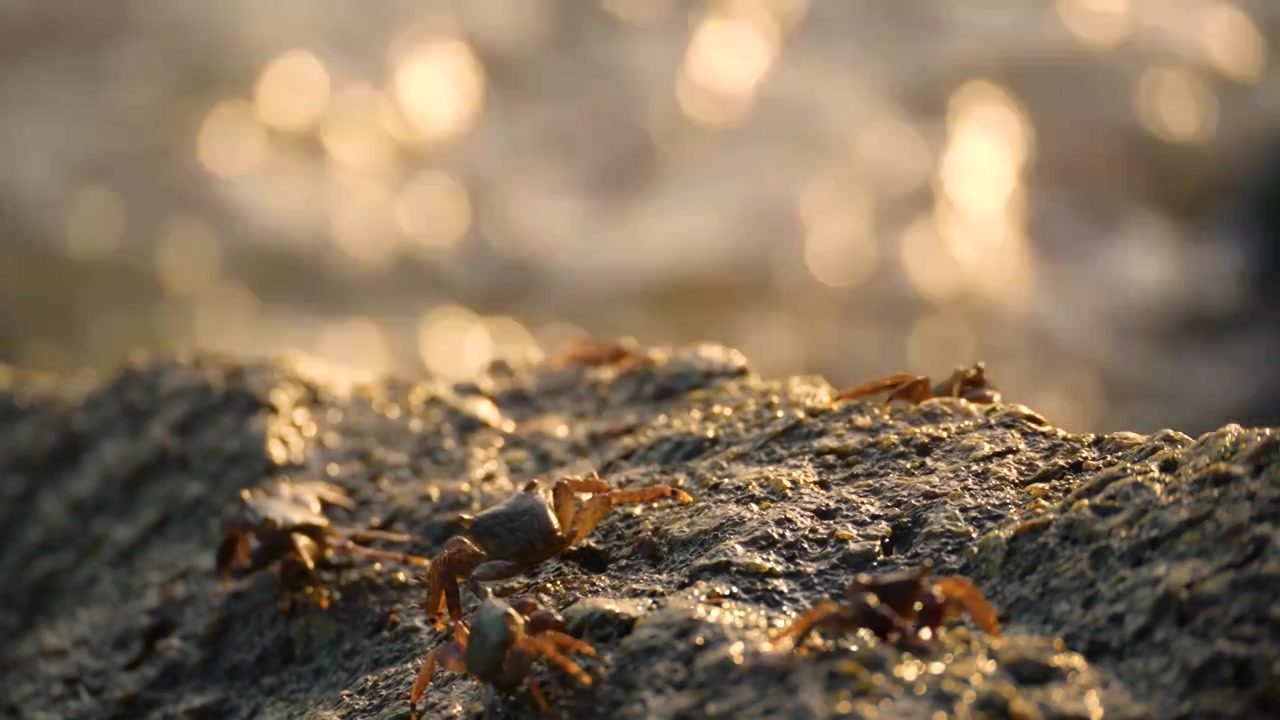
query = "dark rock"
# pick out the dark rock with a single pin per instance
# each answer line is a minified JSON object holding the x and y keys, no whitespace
{"x":1135,"y":576}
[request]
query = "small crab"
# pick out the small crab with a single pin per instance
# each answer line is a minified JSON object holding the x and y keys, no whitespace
{"x":286,"y":524}
{"x":900,"y":605}
{"x":625,"y":353}
{"x":969,"y":383}
{"x":500,"y":646}
{"x":523,"y":531}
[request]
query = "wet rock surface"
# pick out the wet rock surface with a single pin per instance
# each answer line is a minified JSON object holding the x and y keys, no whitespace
{"x":1135,"y":575}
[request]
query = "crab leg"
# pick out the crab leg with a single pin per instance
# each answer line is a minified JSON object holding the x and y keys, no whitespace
{"x":390,"y":555}
{"x":434,"y":601}
{"x":295,"y":567}
{"x":305,"y":549}
{"x":450,"y":656}
{"x":367,"y":535}
{"x":567,"y":642}
{"x":458,"y":558}
{"x":962,"y":591}
{"x":320,"y":490}
{"x":795,"y":633}
{"x":904,"y":386}
{"x":285,"y":600}
{"x":565,"y":502}
{"x":547,"y":649}
{"x":593,"y":484}
{"x":598,"y":506}
{"x":536,"y":692}
{"x":636,"y":496}
{"x":233,"y":551}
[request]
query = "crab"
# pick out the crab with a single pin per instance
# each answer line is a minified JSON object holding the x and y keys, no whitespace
{"x":522,"y":532}
{"x":500,"y":647}
{"x":625,"y":353}
{"x":285,"y":525}
{"x":907,"y":605}
{"x":969,"y":383}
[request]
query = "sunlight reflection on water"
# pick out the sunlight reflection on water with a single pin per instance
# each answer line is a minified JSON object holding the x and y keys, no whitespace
{"x":844,"y":188}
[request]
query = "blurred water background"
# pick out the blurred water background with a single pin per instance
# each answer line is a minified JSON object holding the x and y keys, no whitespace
{"x":1079,"y":192}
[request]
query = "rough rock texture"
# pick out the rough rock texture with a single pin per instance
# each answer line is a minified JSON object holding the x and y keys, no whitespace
{"x":1136,"y":576}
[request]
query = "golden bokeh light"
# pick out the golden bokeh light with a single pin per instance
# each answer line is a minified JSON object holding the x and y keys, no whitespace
{"x":292,"y":91}
{"x":557,"y":335}
{"x":840,"y":248}
{"x":989,"y":140}
{"x":362,"y":214}
{"x":94,"y":224}
{"x":529,"y":218}
{"x":188,"y":257}
{"x":730,"y":53}
{"x":507,"y":29}
{"x":980,"y":203}
{"x":1099,"y":24}
{"x":287,"y":197}
{"x":1233,"y":44}
{"x":788,"y":13}
{"x":1176,"y":105}
{"x":938,"y":342}
{"x":394,"y":123}
{"x":439,"y":88}
{"x":894,"y":152}
{"x":231,"y":140}
{"x":642,"y":13}
{"x":357,"y":346}
{"x":511,"y":340}
{"x":991,"y":252}
{"x":454,"y":342}
{"x":353,"y":132}
{"x":434,"y":210}
{"x":927,"y":262}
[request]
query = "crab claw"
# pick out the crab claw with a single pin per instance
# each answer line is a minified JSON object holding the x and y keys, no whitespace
{"x":232,"y":553}
{"x":960,"y":593}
